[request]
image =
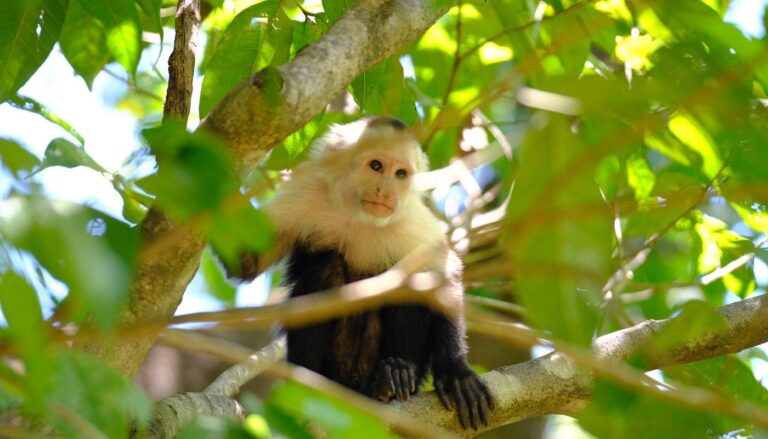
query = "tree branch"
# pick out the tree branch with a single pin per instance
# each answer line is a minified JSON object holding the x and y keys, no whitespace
{"x":162,"y":275}
{"x":558,"y":383}
{"x":552,"y":384}
{"x":181,"y":64}
{"x":254,"y":116}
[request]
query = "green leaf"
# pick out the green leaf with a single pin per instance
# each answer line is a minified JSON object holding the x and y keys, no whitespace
{"x":90,"y":252}
{"x":728,"y":375}
{"x":334,"y":9}
{"x":212,"y":427}
{"x":10,"y":390}
{"x":258,"y":37}
{"x":233,"y":231}
{"x":695,"y":137}
{"x":608,"y":175}
{"x":748,"y":152}
{"x":297,"y":146}
{"x":195,"y":172}
{"x":339,"y":418}
{"x":84,"y":42}
{"x":264,"y":418}
{"x":133,"y":210}
{"x":558,"y":223}
{"x":381,"y":90}
{"x":614,"y":412}
{"x":697,"y":319}
{"x":31,"y":105}
{"x":62,"y":152}
{"x":98,"y":395}
{"x":277,"y":419}
{"x":721,"y":246}
{"x":121,"y":21}
{"x":27,"y":334}
{"x":687,"y":18}
{"x":304,"y":33}
{"x":215,"y":280}
{"x":640,"y":176}
{"x":151,"y":8}
{"x":17,"y":159}
{"x":573,"y":51}
{"x":22,"y":311}
{"x":512,"y":14}
{"x":28,"y":31}
{"x":432,"y":57}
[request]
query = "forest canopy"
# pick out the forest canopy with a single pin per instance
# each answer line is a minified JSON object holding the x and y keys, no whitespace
{"x":600,"y":165}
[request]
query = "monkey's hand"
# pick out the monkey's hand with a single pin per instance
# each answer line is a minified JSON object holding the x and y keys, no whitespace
{"x":394,"y":377}
{"x":468,"y":395}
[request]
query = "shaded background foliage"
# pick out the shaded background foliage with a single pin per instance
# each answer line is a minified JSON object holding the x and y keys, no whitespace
{"x":624,"y":143}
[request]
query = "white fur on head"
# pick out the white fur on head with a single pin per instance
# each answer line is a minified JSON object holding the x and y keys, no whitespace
{"x":345,"y":136}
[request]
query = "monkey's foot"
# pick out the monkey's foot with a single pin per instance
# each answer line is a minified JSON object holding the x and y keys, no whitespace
{"x":468,"y":395}
{"x":394,"y":377}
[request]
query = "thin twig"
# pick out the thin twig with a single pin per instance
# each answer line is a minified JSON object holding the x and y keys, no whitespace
{"x":133,"y":87}
{"x":456,"y":57}
{"x":181,"y":64}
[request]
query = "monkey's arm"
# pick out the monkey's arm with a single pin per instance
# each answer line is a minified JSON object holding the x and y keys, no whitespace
{"x":250,"y":265}
{"x":458,"y":387}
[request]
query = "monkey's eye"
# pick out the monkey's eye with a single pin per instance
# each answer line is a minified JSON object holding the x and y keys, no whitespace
{"x":401,"y":174}
{"x":375,"y":165}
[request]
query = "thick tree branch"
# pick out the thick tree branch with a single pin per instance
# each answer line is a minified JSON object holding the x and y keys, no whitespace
{"x":552,"y":384}
{"x":276,"y":102}
{"x":173,"y":413}
{"x":162,"y":275}
{"x":560,"y":383}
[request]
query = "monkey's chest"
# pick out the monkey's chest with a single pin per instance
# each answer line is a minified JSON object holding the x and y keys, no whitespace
{"x":355,"y":349}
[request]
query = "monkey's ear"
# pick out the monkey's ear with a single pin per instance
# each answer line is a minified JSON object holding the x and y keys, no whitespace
{"x":390,"y":121}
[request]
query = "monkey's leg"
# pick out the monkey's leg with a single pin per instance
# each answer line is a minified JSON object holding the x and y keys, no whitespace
{"x":404,"y":352}
{"x":457,"y":386}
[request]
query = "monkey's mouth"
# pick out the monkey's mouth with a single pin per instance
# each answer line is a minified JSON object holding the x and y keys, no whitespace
{"x":377,"y":208}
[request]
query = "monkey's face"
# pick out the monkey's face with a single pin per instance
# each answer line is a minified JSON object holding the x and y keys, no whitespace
{"x":379,"y":185}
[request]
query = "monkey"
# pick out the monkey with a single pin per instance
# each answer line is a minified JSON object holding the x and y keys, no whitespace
{"x":349,"y":213}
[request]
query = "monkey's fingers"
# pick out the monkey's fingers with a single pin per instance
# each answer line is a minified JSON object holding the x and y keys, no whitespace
{"x":405,"y":380}
{"x":402,"y":375}
{"x":442,"y":394}
{"x":474,"y":403}
{"x":383,"y":388}
{"x":462,"y":409}
{"x":395,"y":373}
{"x":480,"y":405}
{"x":389,"y":380}
{"x":486,"y":394}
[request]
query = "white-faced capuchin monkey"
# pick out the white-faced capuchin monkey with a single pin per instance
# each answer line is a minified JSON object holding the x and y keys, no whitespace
{"x":349,"y":213}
